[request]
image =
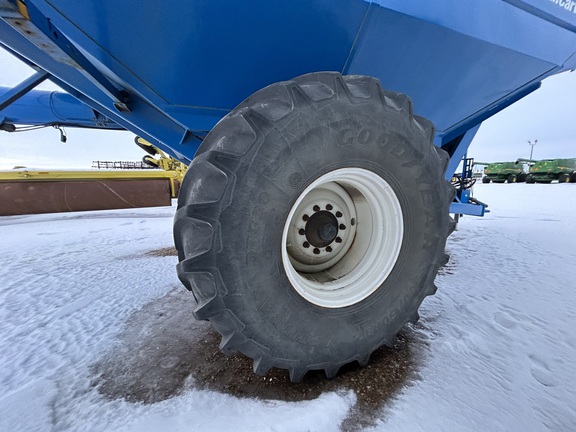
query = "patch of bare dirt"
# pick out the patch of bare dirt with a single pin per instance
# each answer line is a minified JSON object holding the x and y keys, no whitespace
{"x":163,"y":252}
{"x":163,"y":351}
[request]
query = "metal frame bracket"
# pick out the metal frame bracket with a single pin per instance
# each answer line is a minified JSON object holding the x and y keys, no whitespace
{"x":31,"y":23}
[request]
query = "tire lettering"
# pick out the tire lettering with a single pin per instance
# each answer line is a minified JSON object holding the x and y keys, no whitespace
{"x":295,"y":179}
{"x":382,"y":141}
{"x":346,"y":137}
{"x":365,"y":136}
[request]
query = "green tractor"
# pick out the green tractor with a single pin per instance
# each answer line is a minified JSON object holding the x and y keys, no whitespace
{"x":500,"y":172}
{"x":548,"y":170}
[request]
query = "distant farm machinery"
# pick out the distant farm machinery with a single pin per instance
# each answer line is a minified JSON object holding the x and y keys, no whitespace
{"x":539,"y":171}
{"x":500,"y":172}
{"x":548,"y":170}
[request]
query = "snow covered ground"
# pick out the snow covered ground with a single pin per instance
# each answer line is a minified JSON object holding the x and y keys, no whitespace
{"x":495,"y":349}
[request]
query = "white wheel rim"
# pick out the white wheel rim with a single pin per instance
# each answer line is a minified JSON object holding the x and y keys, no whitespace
{"x":338,"y":264}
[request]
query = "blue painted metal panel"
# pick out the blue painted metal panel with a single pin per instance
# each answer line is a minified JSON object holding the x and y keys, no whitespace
{"x":496,"y":22}
{"x":208,"y":47}
{"x":450,"y":76}
{"x":559,"y":12}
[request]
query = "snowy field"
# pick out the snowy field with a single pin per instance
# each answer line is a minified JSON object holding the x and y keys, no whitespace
{"x":93,"y":321}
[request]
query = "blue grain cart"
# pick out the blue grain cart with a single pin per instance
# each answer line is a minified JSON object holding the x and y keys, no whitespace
{"x":319,"y":134}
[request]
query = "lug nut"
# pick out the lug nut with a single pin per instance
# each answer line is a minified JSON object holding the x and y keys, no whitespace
{"x":338,"y":214}
{"x":306,"y":244}
{"x":329,"y":207}
{"x":338,"y":240}
{"x":342,"y":226}
{"x":316,"y":251}
{"x":305,"y":217}
{"x":301,"y":231}
{"x":316,"y":208}
{"x":328,"y":249}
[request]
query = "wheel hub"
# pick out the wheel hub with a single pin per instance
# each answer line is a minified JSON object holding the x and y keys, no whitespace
{"x":342,"y":237}
{"x":321,"y":229}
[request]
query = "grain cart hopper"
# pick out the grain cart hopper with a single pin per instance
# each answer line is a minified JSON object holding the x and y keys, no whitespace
{"x":320,"y":134}
{"x":500,"y":172}
{"x":547,"y":170}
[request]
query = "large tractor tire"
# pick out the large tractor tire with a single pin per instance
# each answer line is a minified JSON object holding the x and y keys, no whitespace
{"x":485,"y":179}
{"x":564,"y":178}
{"x":530,"y":179}
{"x":313,"y":221}
{"x":511,"y":178}
{"x":521,"y":178}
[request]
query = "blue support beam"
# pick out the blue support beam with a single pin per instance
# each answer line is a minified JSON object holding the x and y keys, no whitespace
{"x":144,"y":119}
{"x":43,"y":33}
{"x":460,"y":151}
{"x":467,"y":209}
{"x":21,"y":89}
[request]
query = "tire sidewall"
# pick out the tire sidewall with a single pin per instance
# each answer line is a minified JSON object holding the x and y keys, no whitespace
{"x":289,"y":157}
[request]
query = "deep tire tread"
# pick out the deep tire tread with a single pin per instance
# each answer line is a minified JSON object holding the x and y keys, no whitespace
{"x":262,"y":365}
{"x":332,"y":371}
{"x":297,"y":373}
{"x":363,"y":359}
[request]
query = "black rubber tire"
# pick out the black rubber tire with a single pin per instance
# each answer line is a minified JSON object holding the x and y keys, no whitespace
{"x":486,"y":179}
{"x":511,"y":178}
{"x":237,"y":194}
{"x":521,"y":178}
{"x":573,"y":177}
{"x":564,"y":178}
{"x":530,"y":179}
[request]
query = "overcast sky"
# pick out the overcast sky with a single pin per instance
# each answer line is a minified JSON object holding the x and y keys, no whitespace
{"x":547,"y":115}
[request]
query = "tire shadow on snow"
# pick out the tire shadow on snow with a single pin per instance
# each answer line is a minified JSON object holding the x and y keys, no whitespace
{"x":163,"y":351}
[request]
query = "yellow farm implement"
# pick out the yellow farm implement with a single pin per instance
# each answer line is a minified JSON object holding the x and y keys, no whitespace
{"x":27,"y":191}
